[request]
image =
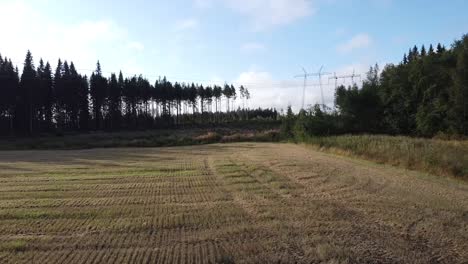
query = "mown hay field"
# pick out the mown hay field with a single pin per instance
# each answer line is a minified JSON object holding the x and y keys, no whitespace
{"x":230,"y":203}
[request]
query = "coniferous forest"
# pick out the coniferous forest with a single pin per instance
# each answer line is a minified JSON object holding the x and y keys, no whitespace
{"x":426,"y":94}
{"x":43,"y":100}
{"x":423,"y":95}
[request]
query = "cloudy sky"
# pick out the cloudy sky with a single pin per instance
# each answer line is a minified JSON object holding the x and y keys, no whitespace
{"x":259,"y":43}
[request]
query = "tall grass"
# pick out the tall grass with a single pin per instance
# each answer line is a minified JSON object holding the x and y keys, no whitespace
{"x":448,"y":158}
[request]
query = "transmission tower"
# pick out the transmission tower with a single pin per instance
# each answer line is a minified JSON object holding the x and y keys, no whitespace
{"x":320,"y":74}
{"x":305,"y":84}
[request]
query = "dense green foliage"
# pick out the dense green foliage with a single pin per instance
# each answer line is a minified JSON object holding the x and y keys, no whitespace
{"x":425,"y":95}
{"x":38,"y":102}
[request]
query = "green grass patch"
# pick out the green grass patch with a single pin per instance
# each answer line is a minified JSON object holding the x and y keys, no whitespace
{"x":14,"y":246}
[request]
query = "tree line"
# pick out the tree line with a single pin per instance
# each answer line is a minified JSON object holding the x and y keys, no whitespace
{"x":426,"y":94}
{"x":43,"y":100}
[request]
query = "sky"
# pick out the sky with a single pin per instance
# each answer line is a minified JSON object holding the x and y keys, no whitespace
{"x":261,"y":44}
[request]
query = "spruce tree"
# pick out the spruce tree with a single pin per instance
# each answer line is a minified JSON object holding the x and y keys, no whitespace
{"x":115,"y":94}
{"x":431,"y":50}
{"x":73,"y":93}
{"x":423,"y":51}
{"x":440,"y":49}
{"x":98,"y":88}
{"x":83,"y":99}
{"x":59,"y":114}
{"x":405,"y":59}
{"x":28,"y":83}
{"x":49,"y":97}
{"x":459,"y":93}
{"x":9,"y":82}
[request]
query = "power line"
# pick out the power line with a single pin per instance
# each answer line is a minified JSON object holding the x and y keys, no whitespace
{"x":344,"y":77}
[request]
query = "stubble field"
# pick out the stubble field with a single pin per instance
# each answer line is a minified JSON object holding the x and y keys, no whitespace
{"x":231,"y":203}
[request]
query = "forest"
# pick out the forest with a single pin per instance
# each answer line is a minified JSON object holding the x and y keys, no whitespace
{"x":424,"y":95}
{"x":42,"y":101}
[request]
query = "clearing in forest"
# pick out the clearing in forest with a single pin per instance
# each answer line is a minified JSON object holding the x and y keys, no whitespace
{"x":231,"y":203}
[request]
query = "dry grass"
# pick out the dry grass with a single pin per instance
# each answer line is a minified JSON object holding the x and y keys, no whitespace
{"x":441,"y":157}
{"x":230,"y":203}
{"x":150,"y":138}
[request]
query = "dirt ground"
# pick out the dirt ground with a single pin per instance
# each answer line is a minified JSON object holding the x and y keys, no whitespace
{"x":230,"y":203}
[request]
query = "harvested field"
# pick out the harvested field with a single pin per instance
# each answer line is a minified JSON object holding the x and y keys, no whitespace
{"x":231,"y":203}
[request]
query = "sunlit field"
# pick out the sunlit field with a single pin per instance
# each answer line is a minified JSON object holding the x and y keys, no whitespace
{"x":231,"y":203}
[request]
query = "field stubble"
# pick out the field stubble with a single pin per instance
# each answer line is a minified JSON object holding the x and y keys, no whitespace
{"x":232,"y":203}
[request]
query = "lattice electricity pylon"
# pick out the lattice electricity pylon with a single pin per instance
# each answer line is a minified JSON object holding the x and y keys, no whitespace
{"x":305,"y":75}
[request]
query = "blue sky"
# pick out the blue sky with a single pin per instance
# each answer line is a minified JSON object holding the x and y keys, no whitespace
{"x":259,"y":43}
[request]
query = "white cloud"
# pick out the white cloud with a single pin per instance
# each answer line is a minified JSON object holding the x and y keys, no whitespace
{"x":262,"y":89}
{"x":253,"y":47}
{"x":83,"y":42}
{"x":359,"y":41}
{"x":187,"y":24}
{"x":257,"y":77}
{"x":265,"y":14}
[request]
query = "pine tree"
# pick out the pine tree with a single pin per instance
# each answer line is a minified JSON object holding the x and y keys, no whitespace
{"x":217,"y":92}
{"x":201,"y":95}
{"x":233,"y":95}
{"x":178,"y":98}
{"x":242,"y":95}
{"x":227,"y":94}
{"x":209,"y":97}
{"x":193,"y":94}
{"x":247,"y":96}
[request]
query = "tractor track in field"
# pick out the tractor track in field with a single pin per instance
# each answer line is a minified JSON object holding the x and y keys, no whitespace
{"x":231,"y":203}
